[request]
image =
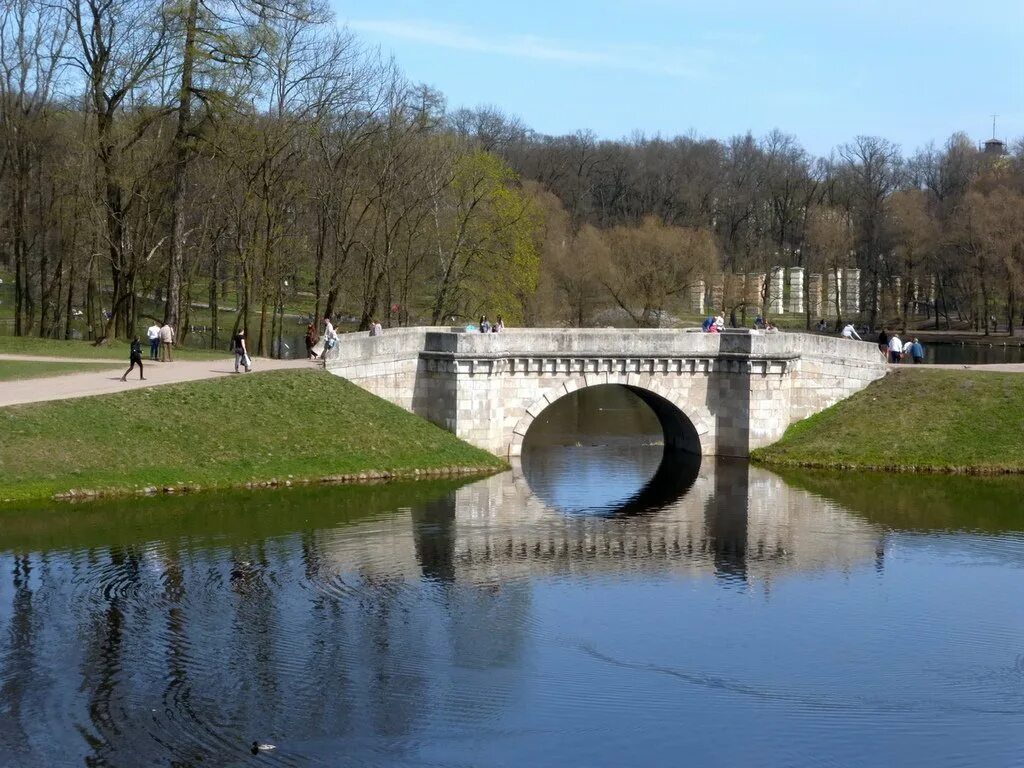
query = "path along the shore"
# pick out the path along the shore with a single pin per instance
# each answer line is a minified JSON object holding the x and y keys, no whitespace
{"x":107,"y":382}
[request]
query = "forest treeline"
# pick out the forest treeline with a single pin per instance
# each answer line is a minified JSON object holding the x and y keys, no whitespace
{"x":173,"y":158}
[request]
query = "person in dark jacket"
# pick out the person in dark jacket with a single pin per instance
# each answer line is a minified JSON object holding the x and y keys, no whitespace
{"x":135,"y":357}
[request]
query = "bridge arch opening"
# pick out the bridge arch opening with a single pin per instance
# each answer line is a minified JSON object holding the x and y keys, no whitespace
{"x":611,"y":449}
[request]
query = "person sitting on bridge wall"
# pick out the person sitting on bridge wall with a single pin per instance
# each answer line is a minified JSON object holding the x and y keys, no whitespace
{"x":849,"y":332}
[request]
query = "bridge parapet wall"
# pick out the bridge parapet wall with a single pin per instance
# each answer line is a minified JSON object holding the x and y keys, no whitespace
{"x":389,"y":367}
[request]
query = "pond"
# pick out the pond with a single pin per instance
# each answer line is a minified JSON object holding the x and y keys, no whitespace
{"x":979,"y":353}
{"x":590,"y":607}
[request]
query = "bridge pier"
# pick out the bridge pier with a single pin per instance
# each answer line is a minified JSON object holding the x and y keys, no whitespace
{"x":714,"y":394}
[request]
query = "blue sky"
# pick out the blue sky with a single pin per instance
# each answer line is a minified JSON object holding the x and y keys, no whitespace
{"x":825,"y":71}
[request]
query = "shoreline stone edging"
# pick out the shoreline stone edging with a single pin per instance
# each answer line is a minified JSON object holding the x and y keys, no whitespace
{"x":903,"y":469}
{"x":363,"y":477}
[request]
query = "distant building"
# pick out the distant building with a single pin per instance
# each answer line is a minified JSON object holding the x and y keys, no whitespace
{"x":995,"y":147}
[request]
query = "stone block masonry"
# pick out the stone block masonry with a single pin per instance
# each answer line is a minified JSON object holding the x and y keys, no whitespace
{"x":717,"y":394}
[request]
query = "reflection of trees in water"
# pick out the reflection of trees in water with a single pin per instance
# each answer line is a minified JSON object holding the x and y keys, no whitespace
{"x":19,"y":658}
{"x":379,"y":629}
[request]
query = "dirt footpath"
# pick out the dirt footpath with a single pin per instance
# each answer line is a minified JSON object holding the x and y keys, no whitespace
{"x":107,"y":382}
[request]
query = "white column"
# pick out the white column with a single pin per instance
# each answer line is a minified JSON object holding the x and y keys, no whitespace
{"x":778,"y":286}
{"x":796,"y":290}
{"x":755,"y":289}
{"x":697,"y":297}
{"x":718,"y":293}
{"x":833,"y":290}
{"x":814,"y":295}
{"x":851,"y":291}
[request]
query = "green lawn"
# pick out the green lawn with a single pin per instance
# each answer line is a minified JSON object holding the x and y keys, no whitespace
{"x":218,"y":433}
{"x":915,"y":420}
{"x":11,"y":370}
{"x":113,"y":350}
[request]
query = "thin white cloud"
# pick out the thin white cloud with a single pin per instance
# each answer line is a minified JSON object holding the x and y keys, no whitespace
{"x":674,"y":62}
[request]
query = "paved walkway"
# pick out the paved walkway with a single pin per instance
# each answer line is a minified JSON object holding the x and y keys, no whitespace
{"x":107,"y":382}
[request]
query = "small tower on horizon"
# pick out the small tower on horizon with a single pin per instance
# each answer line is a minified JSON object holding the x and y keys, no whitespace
{"x":994,"y":146}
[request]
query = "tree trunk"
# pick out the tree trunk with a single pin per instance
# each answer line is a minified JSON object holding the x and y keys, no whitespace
{"x":70,"y":306}
{"x":1011,"y":310}
{"x":179,"y":188}
{"x":214,"y":279}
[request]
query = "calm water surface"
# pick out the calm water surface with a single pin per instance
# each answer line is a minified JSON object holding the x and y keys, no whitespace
{"x":591,"y":608}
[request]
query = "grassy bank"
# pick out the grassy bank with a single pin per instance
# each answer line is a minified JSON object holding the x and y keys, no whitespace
{"x":923,"y":420}
{"x":13,"y":370}
{"x":280,"y":425}
{"x":110,"y":350}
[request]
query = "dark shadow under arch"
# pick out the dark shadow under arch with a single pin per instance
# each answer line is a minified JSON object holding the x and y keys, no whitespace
{"x":679,"y":432}
{"x":676,"y":471}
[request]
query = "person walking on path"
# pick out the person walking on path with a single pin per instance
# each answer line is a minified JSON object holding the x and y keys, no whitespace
{"x":241,"y":353}
{"x":917,"y":351}
{"x":311,"y":340}
{"x":895,"y":349}
{"x":330,"y":336}
{"x":135,"y":357}
{"x":883,"y":343}
{"x":849,"y":332}
{"x":153,"y":334}
{"x":166,"y":343}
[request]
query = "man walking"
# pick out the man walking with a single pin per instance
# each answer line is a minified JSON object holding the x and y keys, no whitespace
{"x":153,"y":334}
{"x":166,"y":343}
{"x":241,"y":353}
{"x":895,"y":348}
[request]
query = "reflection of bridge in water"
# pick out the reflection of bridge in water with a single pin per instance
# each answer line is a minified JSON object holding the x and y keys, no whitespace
{"x":736,"y":521}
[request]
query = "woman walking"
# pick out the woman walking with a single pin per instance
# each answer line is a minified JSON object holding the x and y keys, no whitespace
{"x":311,"y":340}
{"x":135,"y":357}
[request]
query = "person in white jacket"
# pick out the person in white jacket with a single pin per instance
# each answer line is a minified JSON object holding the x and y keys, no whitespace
{"x":895,"y":349}
{"x":849,"y":332}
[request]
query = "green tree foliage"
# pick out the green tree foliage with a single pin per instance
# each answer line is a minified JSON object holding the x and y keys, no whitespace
{"x":485,"y":238}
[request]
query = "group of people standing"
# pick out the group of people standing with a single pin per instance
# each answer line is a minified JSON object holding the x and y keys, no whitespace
{"x":896,"y":350}
{"x":486,"y":326}
{"x":890,"y":345}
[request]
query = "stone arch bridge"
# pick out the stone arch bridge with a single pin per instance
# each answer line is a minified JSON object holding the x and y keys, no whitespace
{"x":714,"y":394}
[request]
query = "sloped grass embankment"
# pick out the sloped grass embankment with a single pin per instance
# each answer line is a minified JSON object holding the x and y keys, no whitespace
{"x":915,"y":420}
{"x":284,"y":426}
